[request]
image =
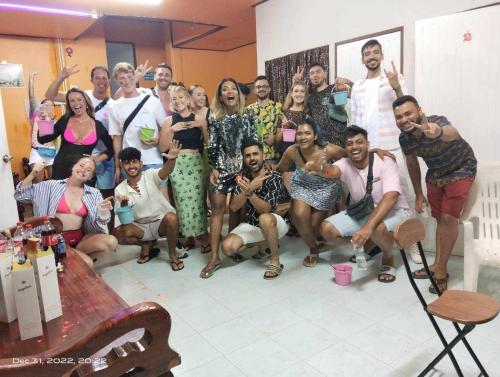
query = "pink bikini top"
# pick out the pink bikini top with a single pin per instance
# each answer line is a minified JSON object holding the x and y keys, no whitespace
{"x":87,"y":140}
{"x":63,"y":207}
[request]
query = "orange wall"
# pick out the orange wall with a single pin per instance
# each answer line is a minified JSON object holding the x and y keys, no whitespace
{"x":151,"y":41}
{"x":35,"y":54}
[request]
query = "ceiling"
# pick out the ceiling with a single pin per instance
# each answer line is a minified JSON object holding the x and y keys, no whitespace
{"x":220,"y":25}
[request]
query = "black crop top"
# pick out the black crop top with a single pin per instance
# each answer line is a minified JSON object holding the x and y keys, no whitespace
{"x":191,"y":138}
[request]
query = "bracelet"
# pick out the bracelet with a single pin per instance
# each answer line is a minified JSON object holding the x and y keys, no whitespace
{"x":441,"y":134}
{"x":397,"y":87}
{"x":249,"y":195}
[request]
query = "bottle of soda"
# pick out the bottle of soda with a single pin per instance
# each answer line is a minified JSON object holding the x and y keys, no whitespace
{"x":49,"y":238}
{"x":3,"y":243}
{"x":61,"y":252}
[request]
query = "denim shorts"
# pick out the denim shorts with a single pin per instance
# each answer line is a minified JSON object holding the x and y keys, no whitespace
{"x":347,"y":226}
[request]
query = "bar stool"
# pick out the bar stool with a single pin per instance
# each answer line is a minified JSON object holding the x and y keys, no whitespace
{"x":467,"y":308}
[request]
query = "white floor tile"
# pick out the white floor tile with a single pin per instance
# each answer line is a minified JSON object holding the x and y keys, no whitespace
{"x":220,"y":367}
{"x":273,"y":318}
{"x":205,"y":317}
{"x":194,"y":352}
{"x":300,"y":370}
{"x":264,"y":358}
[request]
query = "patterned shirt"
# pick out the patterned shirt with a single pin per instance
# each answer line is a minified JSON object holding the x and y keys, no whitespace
{"x":225,"y":137}
{"x":388,"y":131}
{"x":273,"y":191}
{"x":448,"y":161}
{"x":332,"y":131}
{"x":268,"y":117}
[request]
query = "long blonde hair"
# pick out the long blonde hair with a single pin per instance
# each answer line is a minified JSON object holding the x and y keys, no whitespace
{"x":218,"y":108}
{"x":289,"y":100}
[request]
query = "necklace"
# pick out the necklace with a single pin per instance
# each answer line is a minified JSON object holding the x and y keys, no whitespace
{"x":82,"y":121}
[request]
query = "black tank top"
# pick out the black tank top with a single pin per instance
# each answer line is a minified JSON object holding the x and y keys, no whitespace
{"x":191,"y":138}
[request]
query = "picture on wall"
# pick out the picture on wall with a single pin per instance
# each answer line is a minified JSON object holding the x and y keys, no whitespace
{"x":11,"y":75}
{"x":348,"y":53}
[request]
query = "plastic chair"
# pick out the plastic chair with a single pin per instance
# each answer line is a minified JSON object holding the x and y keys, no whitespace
{"x":466,"y":308}
{"x":482,"y":225}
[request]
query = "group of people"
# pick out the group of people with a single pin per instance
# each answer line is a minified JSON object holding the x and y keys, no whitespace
{"x":163,"y":150}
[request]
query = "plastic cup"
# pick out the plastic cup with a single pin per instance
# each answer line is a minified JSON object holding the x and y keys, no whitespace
{"x":45,"y":127}
{"x":146,"y":134}
{"x":289,"y":135}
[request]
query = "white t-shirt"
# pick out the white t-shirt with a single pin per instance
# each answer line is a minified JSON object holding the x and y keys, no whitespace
{"x":149,"y":203}
{"x":151,"y":116}
{"x":102,"y":116}
{"x":371,"y":120}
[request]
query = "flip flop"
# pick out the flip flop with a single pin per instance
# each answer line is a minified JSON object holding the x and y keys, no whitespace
{"x":310,"y":260}
{"x":272,"y":271}
{"x":442,"y":285}
{"x":261,"y":255}
{"x":176,"y":265}
{"x":206,"y":273}
{"x":153,"y":253}
{"x":205,"y":249}
{"x":237,"y":257}
{"x":422,"y":274}
{"x":376,"y":250}
{"x":389,"y":272}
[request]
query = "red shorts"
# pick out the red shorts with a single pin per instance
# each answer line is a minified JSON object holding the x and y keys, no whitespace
{"x":449,"y":199}
{"x":73,"y":237}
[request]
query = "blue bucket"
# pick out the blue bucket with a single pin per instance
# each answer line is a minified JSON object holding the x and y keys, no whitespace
{"x":125,"y":215}
{"x":340,"y":98}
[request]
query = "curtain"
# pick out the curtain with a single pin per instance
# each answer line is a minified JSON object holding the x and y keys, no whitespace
{"x":280,"y":71}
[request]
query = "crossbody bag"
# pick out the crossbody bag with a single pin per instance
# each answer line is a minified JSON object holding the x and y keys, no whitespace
{"x":365,"y":206}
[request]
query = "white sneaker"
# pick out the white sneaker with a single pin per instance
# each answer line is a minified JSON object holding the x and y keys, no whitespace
{"x":415,"y":254}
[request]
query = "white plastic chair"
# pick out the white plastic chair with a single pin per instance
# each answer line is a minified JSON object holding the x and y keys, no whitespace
{"x":482,"y":225}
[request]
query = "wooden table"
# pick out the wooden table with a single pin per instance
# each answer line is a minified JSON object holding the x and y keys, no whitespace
{"x":93,"y":317}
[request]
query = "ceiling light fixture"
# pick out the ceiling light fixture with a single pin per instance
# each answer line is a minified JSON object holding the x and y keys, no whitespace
{"x":35,"y":8}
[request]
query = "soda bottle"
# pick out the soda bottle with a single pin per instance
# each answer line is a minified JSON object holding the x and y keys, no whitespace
{"x":61,"y":252}
{"x":3,"y":243}
{"x":49,"y":238}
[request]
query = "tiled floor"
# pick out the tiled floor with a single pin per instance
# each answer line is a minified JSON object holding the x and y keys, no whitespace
{"x":237,"y":324}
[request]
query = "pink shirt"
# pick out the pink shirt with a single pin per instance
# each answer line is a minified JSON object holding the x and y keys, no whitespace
{"x":385,"y":179}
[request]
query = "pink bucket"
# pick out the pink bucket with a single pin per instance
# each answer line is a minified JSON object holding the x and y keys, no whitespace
{"x":342,"y":274}
{"x":45,"y":127}
{"x":289,"y":135}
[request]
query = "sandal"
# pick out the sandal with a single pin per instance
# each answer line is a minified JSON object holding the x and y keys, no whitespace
{"x":261,"y":255}
{"x":176,"y":265}
{"x":310,"y":260}
{"x":442,"y":285}
{"x":422,"y":274}
{"x":386,"y":274}
{"x":206,"y":272}
{"x":152,"y":253}
{"x":376,"y":250}
{"x":272,"y":271}
{"x":205,"y":249}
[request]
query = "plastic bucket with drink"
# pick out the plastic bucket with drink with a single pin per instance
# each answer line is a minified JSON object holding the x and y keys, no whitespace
{"x":146,"y":134}
{"x":45,"y":127}
{"x":340,"y":98}
{"x":289,"y":135}
{"x":125,"y":215}
{"x":342,"y":274}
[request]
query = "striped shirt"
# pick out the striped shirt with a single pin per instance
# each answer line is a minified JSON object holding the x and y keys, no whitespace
{"x":46,"y":195}
{"x":448,"y":161}
{"x":388,"y":132}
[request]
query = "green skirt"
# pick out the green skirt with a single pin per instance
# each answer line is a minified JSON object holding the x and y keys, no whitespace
{"x":189,"y":187}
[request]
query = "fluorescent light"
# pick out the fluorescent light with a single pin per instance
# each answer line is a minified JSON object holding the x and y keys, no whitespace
{"x":35,"y":8}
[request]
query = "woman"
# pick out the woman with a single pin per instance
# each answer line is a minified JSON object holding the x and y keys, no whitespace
{"x":294,"y":112}
{"x":229,"y":125}
{"x":40,"y":153}
{"x":188,"y":178}
{"x":312,"y":196}
{"x":79,"y":132}
{"x":80,"y":208}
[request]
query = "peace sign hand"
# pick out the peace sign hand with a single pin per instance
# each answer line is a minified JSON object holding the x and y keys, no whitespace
{"x":68,"y":71}
{"x":430,"y":130}
{"x":142,"y":69}
{"x":392,"y":76}
{"x":299,"y":74}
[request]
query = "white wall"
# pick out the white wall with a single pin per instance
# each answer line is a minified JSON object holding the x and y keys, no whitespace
{"x":288,"y":26}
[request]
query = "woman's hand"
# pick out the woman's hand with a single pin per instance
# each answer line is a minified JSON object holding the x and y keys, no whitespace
{"x":383,"y":153}
{"x":152,"y":141}
{"x":173,"y":151}
{"x":284,"y":120}
{"x":180,"y":126}
{"x":214,"y":177}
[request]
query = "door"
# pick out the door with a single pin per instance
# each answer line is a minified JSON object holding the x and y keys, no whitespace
{"x":8,"y":207}
{"x":118,"y":52}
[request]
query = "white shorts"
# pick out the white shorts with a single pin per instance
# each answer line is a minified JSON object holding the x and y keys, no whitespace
{"x":151,"y":230}
{"x":35,"y":158}
{"x":252,"y":234}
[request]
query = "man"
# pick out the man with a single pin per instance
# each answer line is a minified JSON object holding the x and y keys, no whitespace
{"x":154,"y":217}
{"x":261,"y":193}
{"x":371,"y":109}
{"x":99,"y":77}
{"x":390,"y":204}
{"x":132,"y":113}
{"x":332,"y":129}
{"x":452,"y":169}
{"x":267,"y":112}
